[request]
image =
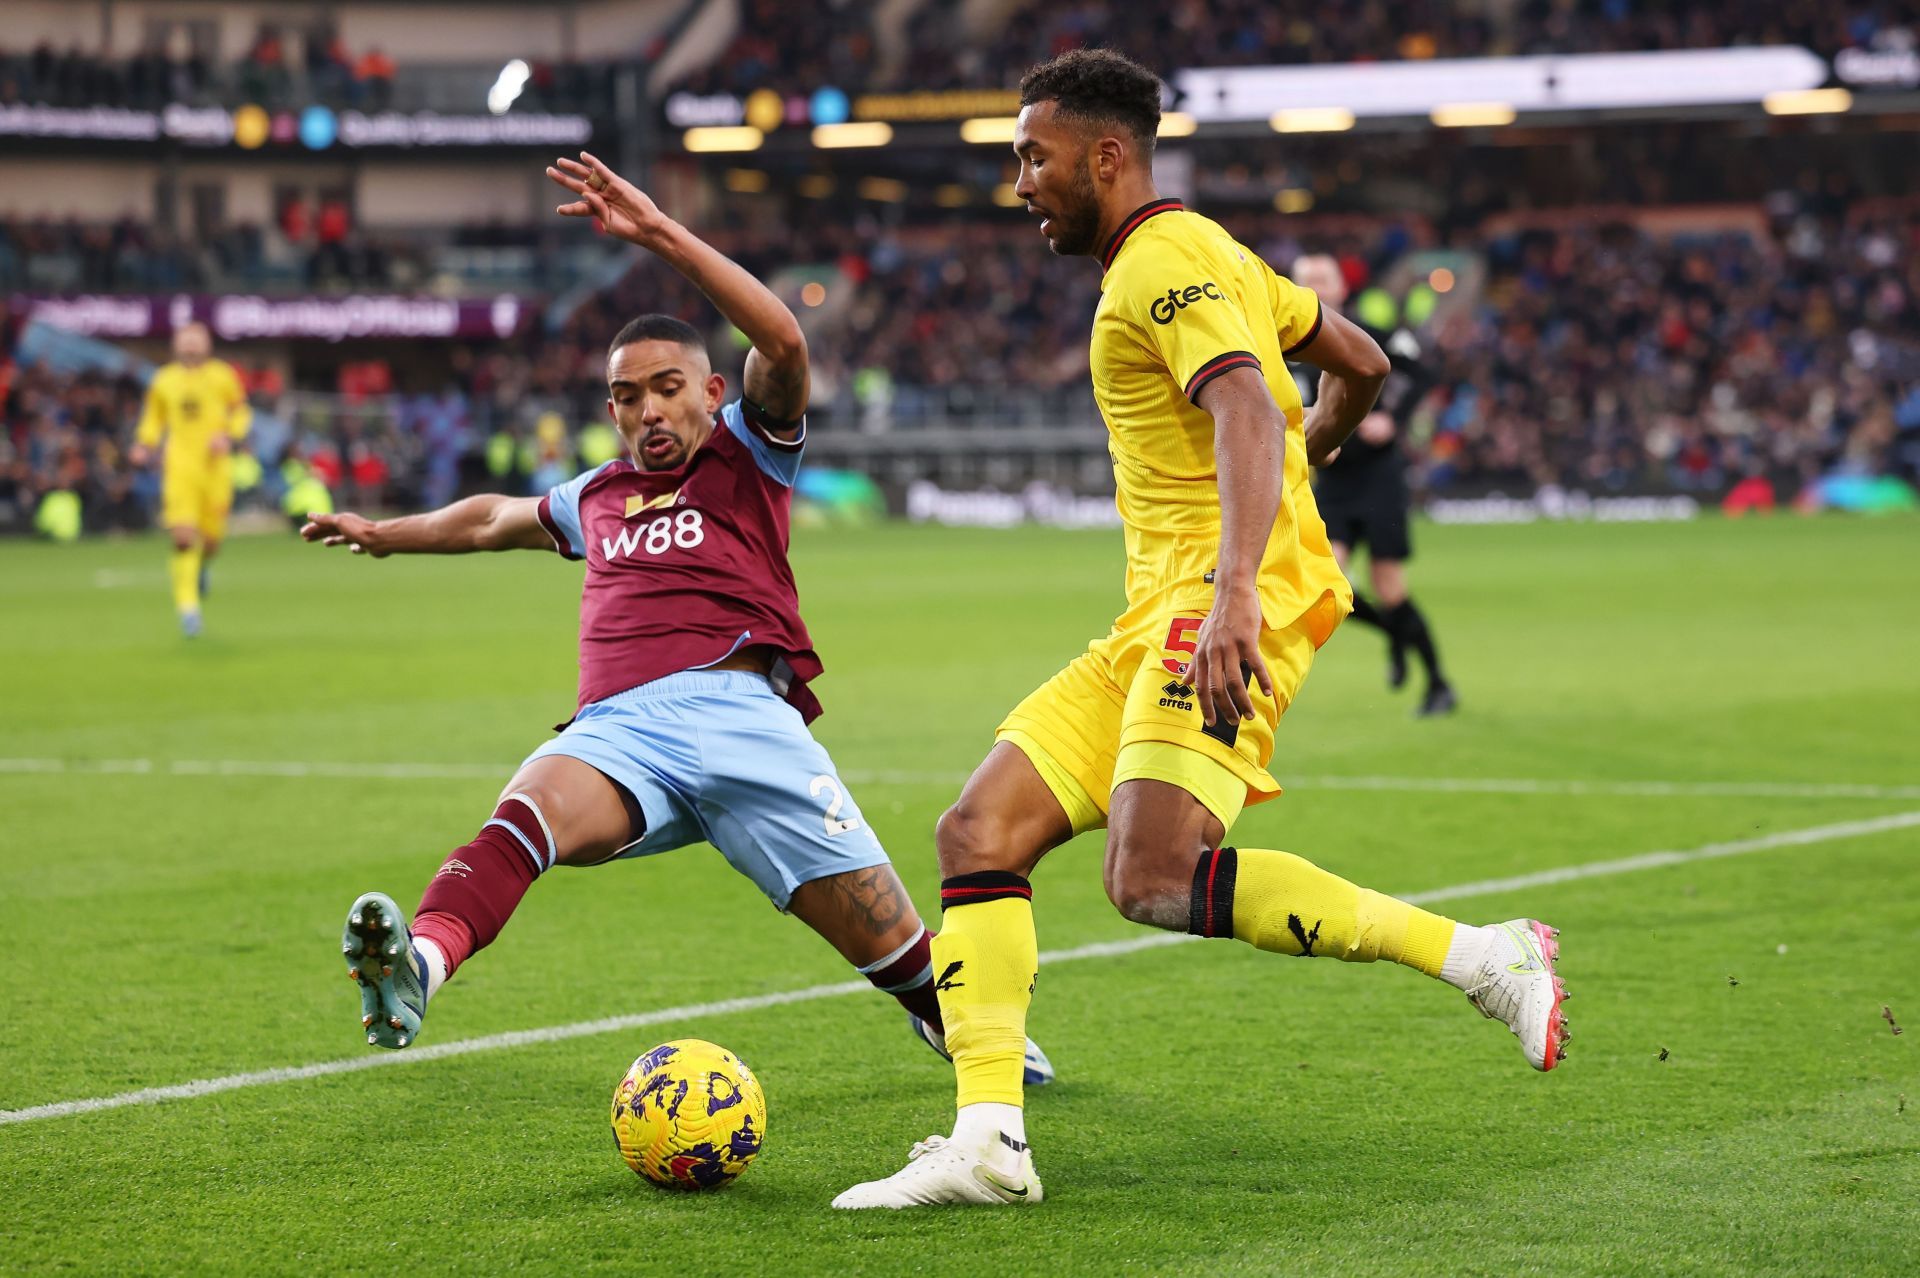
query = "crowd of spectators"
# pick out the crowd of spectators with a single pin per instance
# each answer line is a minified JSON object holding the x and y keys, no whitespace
{"x":176,"y":68}
{"x":796,"y":48}
{"x":287,"y":65}
{"x":1594,"y":354}
{"x":313,"y":246}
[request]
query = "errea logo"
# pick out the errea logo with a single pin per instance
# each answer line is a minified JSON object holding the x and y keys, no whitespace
{"x":1179,"y":299}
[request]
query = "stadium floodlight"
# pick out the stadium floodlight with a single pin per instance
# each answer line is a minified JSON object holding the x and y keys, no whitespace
{"x":1311,"y":120}
{"x":1473,"y":115}
{"x":815,"y":186}
{"x":747,"y":181}
{"x":989,"y":128}
{"x":1807,"y":102}
{"x":861,"y":133}
{"x":507,"y":87}
{"x":1007,"y":198}
{"x":1177,"y":124}
{"x":952,"y":196}
{"x":741,"y":137}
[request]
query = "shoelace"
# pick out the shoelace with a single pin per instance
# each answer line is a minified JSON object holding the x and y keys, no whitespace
{"x":1488,"y":978}
{"x":931,"y":1145}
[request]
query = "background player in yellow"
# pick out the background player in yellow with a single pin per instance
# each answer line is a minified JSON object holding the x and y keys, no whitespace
{"x":197,"y":414}
{"x":1162,"y":730}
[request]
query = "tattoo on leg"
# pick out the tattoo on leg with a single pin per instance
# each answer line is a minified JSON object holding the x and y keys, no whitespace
{"x":871,"y":898}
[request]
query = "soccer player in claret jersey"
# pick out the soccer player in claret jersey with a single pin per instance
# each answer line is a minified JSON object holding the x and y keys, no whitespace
{"x":695,"y":667}
{"x":1163,"y":729}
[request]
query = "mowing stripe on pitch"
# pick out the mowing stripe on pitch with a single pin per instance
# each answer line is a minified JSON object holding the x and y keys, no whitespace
{"x":839,"y":989}
{"x":1548,"y":787}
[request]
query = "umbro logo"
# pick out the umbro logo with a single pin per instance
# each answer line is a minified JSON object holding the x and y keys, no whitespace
{"x":455,"y":866}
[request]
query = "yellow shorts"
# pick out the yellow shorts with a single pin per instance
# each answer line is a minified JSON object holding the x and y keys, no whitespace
{"x":198,"y":497}
{"x":1120,"y":712}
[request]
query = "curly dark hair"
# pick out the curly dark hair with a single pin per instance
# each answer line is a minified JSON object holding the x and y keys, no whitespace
{"x":1100,"y":87}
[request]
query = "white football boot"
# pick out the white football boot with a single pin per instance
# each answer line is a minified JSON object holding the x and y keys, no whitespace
{"x":940,"y":1171}
{"x":1514,"y":983}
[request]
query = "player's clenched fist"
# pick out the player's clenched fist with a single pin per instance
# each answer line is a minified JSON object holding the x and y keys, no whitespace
{"x":343,"y":529}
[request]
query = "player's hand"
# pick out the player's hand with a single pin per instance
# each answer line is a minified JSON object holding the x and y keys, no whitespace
{"x":616,"y":205}
{"x":356,"y":532}
{"x":1319,"y":451}
{"x":138,"y":456}
{"x":220,"y":446}
{"x":1226,"y":658}
{"x":1376,"y":428}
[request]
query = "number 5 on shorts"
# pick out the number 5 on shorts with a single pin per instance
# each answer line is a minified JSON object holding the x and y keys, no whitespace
{"x":1181,"y":637}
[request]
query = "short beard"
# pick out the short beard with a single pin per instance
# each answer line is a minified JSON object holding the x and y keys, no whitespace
{"x":1079,"y":217}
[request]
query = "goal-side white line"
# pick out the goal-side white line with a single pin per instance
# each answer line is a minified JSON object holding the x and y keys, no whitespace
{"x":325,"y":769}
{"x":1103,"y":949}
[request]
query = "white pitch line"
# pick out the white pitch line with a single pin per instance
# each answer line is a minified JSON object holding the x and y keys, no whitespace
{"x":324,"y":769}
{"x":1100,"y":949}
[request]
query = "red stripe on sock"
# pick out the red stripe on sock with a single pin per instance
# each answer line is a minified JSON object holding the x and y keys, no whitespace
{"x":1213,"y":868}
{"x":994,"y":892}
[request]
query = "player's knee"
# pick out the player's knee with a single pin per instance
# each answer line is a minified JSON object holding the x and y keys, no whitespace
{"x":1144,"y":886}
{"x":970,"y":840}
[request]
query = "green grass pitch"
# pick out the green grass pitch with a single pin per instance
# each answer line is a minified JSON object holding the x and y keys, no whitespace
{"x":1734,"y":1101}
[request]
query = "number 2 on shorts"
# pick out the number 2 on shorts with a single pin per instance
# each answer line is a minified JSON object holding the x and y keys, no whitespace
{"x":835,"y":825}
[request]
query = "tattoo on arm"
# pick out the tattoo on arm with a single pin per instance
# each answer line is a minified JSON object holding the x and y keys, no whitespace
{"x":871,"y":899}
{"x":779,"y":389}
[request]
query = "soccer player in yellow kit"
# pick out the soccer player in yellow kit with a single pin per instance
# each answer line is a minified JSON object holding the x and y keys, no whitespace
{"x":1162,"y":730}
{"x":198,"y":407}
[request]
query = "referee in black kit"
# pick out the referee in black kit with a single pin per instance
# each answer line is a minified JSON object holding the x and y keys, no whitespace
{"x":1362,"y":494}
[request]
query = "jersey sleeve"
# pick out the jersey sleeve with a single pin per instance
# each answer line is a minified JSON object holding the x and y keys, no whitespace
{"x":1296,"y":312}
{"x":560,"y":514}
{"x":778,"y":459}
{"x":1185,"y":307}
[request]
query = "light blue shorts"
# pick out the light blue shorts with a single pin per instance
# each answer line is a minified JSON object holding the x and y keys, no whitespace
{"x":717,"y":755}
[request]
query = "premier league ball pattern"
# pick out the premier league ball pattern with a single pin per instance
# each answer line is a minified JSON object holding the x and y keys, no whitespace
{"x":689,"y":1115}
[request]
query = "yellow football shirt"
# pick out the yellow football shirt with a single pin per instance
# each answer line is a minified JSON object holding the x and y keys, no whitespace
{"x":189,"y":406}
{"x":1180,"y":304}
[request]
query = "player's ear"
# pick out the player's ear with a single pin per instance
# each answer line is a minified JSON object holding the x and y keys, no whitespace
{"x":1109,"y":156}
{"x":716,"y":388}
{"x":611,"y":415}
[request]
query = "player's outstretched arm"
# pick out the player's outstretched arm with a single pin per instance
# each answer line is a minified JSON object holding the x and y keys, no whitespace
{"x":486,"y":522}
{"x":1352,"y":370}
{"x":776,"y":373}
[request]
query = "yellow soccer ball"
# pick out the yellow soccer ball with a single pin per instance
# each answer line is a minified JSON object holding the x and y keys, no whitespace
{"x":689,"y":1115}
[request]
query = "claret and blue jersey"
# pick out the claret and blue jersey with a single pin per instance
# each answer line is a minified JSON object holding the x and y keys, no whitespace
{"x":685,"y":566}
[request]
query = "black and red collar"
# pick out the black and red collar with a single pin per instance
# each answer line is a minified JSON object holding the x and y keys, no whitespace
{"x":1151,"y":209}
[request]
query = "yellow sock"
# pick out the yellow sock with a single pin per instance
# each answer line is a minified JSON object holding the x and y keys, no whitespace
{"x":184,"y":567}
{"x":985,"y":960}
{"x":1288,"y":905}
